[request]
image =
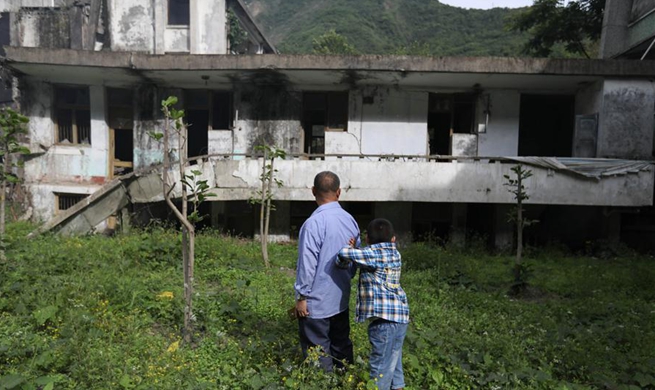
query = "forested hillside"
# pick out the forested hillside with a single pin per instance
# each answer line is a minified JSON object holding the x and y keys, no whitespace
{"x":388,"y":26}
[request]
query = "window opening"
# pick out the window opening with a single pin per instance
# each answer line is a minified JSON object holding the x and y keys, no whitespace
{"x":546,"y":124}
{"x":449,"y":114}
{"x":73,"y":115}
{"x":178,"y":13}
{"x":65,"y":201}
{"x":323,"y":111}
{"x":206,"y":110}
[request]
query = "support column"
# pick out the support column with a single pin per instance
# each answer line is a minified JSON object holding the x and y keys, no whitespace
{"x":400,"y":215}
{"x":280,"y":225}
{"x":458,"y":226}
{"x":612,"y":227}
{"x":503,"y":230}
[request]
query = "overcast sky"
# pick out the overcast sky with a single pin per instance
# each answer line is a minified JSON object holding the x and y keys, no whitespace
{"x":486,"y":4}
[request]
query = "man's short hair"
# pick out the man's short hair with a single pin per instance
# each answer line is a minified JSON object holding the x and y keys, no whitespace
{"x":379,"y":230}
{"x":326,"y":182}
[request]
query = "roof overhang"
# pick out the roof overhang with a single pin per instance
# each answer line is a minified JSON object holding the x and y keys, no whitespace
{"x":303,"y":71}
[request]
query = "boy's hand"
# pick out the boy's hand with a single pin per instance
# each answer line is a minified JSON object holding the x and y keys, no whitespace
{"x":352,"y":242}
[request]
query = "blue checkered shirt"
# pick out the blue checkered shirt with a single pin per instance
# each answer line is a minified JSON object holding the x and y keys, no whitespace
{"x":379,"y":291}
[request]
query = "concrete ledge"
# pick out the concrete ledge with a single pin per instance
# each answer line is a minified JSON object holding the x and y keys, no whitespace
{"x":381,"y":63}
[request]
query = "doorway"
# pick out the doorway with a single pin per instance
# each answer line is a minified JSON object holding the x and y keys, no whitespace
{"x":449,"y":114}
{"x":546,"y":124}
{"x":121,"y":127}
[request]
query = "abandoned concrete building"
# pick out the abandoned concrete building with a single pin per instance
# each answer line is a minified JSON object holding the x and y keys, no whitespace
{"x":423,"y":141}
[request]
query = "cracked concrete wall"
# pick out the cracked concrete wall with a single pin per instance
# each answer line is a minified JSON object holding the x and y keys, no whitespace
{"x":149,"y":118}
{"x":132,"y":25}
{"x":395,"y":122}
{"x":67,"y":24}
{"x":207,"y":30}
{"x":56,"y":167}
{"x":626,"y":120}
{"x":42,"y":27}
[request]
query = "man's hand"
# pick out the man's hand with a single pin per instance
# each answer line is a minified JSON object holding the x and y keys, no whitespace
{"x":301,"y":309}
{"x":352,"y":242}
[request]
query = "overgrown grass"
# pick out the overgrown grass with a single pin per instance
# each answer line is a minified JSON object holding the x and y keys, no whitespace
{"x":104,"y":313}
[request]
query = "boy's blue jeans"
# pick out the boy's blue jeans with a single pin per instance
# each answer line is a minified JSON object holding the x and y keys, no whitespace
{"x":386,"y":359}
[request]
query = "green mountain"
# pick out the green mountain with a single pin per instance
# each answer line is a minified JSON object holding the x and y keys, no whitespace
{"x":388,"y":26}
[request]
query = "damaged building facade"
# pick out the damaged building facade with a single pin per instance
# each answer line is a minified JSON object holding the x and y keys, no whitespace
{"x":425,"y":142}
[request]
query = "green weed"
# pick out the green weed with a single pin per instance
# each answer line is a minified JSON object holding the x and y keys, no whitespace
{"x":96,"y":312}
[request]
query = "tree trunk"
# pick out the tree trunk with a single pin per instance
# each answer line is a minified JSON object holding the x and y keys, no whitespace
{"x":519,"y":231}
{"x":188,"y":231}
{"x":262,"y":213}
{"x":3,"y":200}
{"x":269,"y":197}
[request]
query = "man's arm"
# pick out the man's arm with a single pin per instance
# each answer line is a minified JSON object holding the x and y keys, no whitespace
{"x":308,"y":250}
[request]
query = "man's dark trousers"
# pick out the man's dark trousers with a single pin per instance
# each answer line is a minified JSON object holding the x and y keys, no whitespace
{"x":332,"y":334}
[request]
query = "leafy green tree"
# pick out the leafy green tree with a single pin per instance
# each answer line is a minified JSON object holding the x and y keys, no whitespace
{"x":414,"y":49}
{"x":332,"y":43}
{"x":194,"y":189}
{"x":515,"y":185}
{"x":576,"y":25}
{"x":12,"y":125}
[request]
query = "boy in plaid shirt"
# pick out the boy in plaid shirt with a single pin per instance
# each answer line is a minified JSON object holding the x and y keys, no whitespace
{"x":381,"y":300}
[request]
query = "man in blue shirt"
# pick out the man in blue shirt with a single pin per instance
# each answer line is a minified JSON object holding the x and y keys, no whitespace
{"x":322,"y":288}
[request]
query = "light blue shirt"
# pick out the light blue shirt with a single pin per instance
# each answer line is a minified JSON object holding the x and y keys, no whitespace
{"x":326,"y":286}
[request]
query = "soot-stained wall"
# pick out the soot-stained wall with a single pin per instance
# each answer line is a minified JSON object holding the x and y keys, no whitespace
{"x":626,"y":119}
{"x":269,"y":113}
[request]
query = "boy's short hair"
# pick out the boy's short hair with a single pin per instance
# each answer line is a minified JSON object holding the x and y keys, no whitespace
{"x":379,"y":230}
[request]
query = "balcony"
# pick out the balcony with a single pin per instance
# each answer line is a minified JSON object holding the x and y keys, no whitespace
{"x":427,"y":179}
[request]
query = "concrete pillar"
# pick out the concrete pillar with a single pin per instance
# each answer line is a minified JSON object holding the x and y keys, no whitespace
{"x":99,"y":132}
{"x":503,"y":230}
{"x":280,"y":226}
{"x":612,"y":227}
{"x":208,"y":27}
{"x":458,"y":226}
{"x":160,"y":21}
{"x":614,"y":36}
{"x":216,"y":213}
{"x":400,"y":215}
{"x":125,"y":220}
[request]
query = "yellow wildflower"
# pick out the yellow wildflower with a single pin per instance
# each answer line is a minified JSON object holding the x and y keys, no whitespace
{"x":166,"y":295}
{"x":173,"y":347}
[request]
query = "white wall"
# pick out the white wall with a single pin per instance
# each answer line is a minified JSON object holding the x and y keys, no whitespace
{"x":502,"y":136}
{"x":207,"y":30}
{"x":395,"y":123}
{"x":176,"y":39}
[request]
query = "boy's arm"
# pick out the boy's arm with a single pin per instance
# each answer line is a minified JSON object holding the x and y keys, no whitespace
{"x":343,"y":262}
{"x":363,"y":257}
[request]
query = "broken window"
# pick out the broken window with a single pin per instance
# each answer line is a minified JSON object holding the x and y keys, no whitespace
{"x":73,"y":115}
{"x":449,"y":114}
{"x":323,"y":111}
{"x":206,"y":110}
{"x":66,"y":201}
{"x":178,"y":12}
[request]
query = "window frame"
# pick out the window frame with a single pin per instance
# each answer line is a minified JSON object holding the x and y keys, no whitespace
{"x":75,"y":109}
{"x":168,"y":15}
{"x":58,"y":200}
